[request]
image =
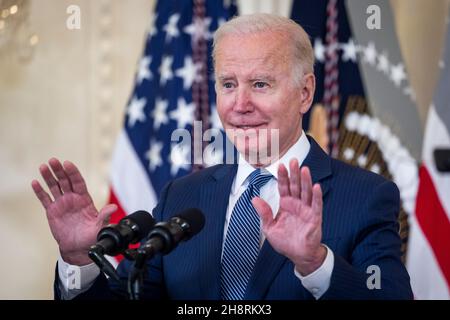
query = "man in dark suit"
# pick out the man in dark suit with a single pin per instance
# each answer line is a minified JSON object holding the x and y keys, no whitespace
{"x":291,"y":223}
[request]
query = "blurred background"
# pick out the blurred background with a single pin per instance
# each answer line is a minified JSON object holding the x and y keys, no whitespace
{"x":63,"y":94}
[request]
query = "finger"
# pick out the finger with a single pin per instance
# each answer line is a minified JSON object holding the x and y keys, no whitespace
{"x":317,"y":202}
{"x":50,"y":180}
{"x":106,"y":212}
{"x":63,"y":180}
{"x":294,"y":178}
{"x":306,"y":185}
{"x":283,"y":181}
{"x":43,"y":196}
{"x":264,"y":211}
{"x":75,"y":178}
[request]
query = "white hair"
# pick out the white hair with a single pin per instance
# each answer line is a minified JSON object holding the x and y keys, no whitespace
{"x":298,"y":40}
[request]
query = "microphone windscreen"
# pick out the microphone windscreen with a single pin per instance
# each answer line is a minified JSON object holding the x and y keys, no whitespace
{"x":195,"y":218}
{"x":144,"y":222}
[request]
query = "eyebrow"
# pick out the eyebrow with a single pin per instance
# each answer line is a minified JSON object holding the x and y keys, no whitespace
{"x":257,"y":77}
{"x":225,"y":77}
{"x":264,"y":77}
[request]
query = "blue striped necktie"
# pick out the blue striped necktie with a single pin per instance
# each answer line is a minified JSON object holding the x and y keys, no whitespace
{"x":242,"y":241}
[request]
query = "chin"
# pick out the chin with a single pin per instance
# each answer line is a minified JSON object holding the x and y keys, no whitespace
{"x":254,"y":152}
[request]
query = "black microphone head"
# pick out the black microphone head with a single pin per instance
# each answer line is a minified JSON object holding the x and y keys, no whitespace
{"x":143,"y":220}
{"x":194,"y":218}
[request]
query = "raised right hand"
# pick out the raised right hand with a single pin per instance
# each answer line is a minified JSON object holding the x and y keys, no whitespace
{"x":73,"y":219}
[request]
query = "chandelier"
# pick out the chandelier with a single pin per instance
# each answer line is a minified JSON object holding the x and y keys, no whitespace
{"x":16,"y":37}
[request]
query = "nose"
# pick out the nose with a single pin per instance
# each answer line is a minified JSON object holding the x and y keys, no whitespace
{"x":243,"y":103}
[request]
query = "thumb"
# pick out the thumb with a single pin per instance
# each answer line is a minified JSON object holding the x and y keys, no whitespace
{"x":264,"y":210}
{"x":106,"y":212}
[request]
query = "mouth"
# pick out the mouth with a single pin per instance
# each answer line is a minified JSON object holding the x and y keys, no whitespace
{"x":249,"y":126}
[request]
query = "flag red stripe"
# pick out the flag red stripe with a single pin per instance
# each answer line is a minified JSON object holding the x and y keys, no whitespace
{"x":120,"y":213}
{"x":434,"y":221}
{"x":116,"y":216}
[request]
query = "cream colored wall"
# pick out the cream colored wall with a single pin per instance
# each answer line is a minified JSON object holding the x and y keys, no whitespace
{"x":69,"y":101}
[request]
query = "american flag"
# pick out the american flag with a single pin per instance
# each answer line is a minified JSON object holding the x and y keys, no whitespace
{"x":174,"y":86}
{"x":428,"y":258}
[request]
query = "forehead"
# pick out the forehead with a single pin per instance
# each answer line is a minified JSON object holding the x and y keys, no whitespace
{"x":261,"y":51}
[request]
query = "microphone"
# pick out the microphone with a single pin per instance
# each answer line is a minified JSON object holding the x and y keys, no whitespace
{"x":115,"y":238}
{"x":165,"y":236}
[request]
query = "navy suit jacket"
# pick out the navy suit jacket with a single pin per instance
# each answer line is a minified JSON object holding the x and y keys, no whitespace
{"x":359,"y":225}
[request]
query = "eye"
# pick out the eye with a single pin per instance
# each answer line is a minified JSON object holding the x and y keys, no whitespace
{"x":260,"y":85}
{"x":227,"y":85}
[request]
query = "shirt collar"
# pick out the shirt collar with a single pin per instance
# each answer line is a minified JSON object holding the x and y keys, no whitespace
{"x":298,"y":151}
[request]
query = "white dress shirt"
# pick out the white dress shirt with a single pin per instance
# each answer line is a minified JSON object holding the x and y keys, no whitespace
{"x":317,"y":283}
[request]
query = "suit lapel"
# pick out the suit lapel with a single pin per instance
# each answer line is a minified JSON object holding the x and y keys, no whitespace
{"x":269,"y":261}
{"x":319,"y":163}
{"x":266,"y":269}
{"x":214,"y":202}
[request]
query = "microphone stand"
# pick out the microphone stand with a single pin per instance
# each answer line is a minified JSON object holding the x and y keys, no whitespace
{"x":136,"y":275}
{"x":136,"y":278}
{"x":96,"y":255}
{"x":163,"y":238}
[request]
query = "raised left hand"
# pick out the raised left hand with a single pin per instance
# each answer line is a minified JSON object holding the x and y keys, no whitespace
{"x":296,"y":231}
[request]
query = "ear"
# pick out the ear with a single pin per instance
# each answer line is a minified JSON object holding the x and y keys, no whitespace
{"x":308,"y":89}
